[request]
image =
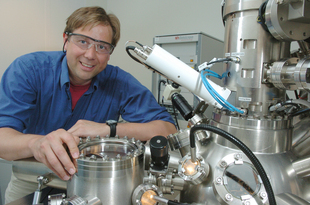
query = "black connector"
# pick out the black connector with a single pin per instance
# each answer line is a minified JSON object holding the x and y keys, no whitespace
{"x":182,"y":106}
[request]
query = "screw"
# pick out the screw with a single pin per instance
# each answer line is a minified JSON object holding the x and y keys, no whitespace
{"x":237,"y":156}
{"x":88,"y":139}
{"x":223,"y":164}
{"x":218,"y":180}
{"x":229,"y":197}
{"x":263,"y":194}
{"x":246,"y":202}
{"x":93,"y":158}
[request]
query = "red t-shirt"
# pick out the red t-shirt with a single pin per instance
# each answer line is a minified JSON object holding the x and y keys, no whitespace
{"x":76,"y":92}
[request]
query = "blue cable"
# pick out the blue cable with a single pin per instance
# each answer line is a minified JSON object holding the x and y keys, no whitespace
{"x":213,"y":93}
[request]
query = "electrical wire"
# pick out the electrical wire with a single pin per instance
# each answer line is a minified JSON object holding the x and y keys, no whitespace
{"x":244,"y":149}
{"x":159,"y":89}
{"x":128,"y":48}
{"x":175,"y":114}
{"x":261,"y":16}
{"x":213,"y":92}
{"x":300,"y":112}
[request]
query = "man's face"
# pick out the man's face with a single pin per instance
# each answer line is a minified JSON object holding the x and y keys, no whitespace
{"x":85,"y":64}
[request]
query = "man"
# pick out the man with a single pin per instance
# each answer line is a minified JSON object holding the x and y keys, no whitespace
{"x":50,"y":99}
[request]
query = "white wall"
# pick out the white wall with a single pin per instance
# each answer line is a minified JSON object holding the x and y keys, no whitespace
{"x":35,"y":25}
{"x":142,"y":20}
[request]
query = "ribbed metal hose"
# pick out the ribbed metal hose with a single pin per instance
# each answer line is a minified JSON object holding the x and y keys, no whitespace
{"x":244,"y":149}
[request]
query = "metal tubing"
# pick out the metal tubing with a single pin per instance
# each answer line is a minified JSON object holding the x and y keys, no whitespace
{"x":302,"y":167}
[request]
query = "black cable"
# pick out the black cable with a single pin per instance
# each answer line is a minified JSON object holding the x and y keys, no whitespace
{"x":176,"y":117}
{"x":244,"y":149}
{"x":296,"y":94}
{"x":175,"y":203}
{"x":261,"y":16}
{"x":159,"y":88}
{"x":222,"y":11}
{"x":299,"y":112}
{"x":292,"y":104}
{"x":220,"y":60}
{"x":134,"y":58}
{"x":137,"y":60}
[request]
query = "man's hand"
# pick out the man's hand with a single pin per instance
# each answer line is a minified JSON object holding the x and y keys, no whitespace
{"x":51,"y":150}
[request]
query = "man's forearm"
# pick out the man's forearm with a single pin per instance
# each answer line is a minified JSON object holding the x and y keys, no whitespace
{"x":145,"y":131}
{"x":14,"y":144}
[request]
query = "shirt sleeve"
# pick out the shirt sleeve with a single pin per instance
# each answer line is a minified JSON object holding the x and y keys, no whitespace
{"x":139,"y":104}
{"x":18,"y":94}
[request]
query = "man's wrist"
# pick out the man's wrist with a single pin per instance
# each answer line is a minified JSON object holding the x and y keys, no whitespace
{"x":112,"y":124}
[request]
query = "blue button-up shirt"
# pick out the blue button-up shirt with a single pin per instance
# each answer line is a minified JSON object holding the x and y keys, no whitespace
{"x":35,"y":96}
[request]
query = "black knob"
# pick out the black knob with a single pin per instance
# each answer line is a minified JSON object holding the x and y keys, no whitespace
{"x":159,"y":152}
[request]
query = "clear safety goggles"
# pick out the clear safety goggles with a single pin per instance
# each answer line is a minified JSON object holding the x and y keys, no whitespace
{"x":86,"y":42}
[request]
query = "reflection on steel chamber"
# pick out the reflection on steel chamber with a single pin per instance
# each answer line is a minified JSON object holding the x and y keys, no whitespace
{"x":265,"y":159}
{"x":258,"y":115}
{"x":109,"y":169}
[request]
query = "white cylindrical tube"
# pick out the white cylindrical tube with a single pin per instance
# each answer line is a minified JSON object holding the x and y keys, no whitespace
{"x":180,"y":73}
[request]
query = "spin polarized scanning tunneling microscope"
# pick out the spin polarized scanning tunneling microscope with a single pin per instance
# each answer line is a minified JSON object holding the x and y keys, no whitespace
{"x":255,"y":149}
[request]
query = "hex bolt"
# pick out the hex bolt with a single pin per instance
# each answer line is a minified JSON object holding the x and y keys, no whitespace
{"x":93,"y":158}
{"x":263,"y":195}
{"x":246,"y":202}
{"x":218,"y":180}
{"x":223,"y":164}
{"x":229,"y":197}
{"x":237,"y":156}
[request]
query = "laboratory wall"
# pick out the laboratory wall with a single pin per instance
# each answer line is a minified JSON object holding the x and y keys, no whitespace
{"x":37,"y":25}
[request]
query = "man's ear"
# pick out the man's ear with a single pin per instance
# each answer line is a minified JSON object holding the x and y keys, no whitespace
{"x":65,"y":39}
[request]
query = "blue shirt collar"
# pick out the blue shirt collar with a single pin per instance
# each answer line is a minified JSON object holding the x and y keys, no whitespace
{"x":64,"y":77}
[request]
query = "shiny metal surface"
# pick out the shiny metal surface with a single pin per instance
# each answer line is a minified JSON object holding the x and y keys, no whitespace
{"x":289,"y":199}
{"x":247,"y":40}
{"x":290,"y":74}
{"x":283,"y":22}
{"x":27,"y":200}
{"x":265,"y":135}
{"x":302,"y":167}
{"x":108,"y":168}
{"x":261,"y":78}
{"x":282,"y":175}
{"x":29,"y":169}
{"x":142,"y":195}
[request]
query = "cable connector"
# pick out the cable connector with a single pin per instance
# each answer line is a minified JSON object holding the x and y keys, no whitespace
{"x":140,"y":53}
{"x":235,"y":59}
{"x":206,"y":65}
